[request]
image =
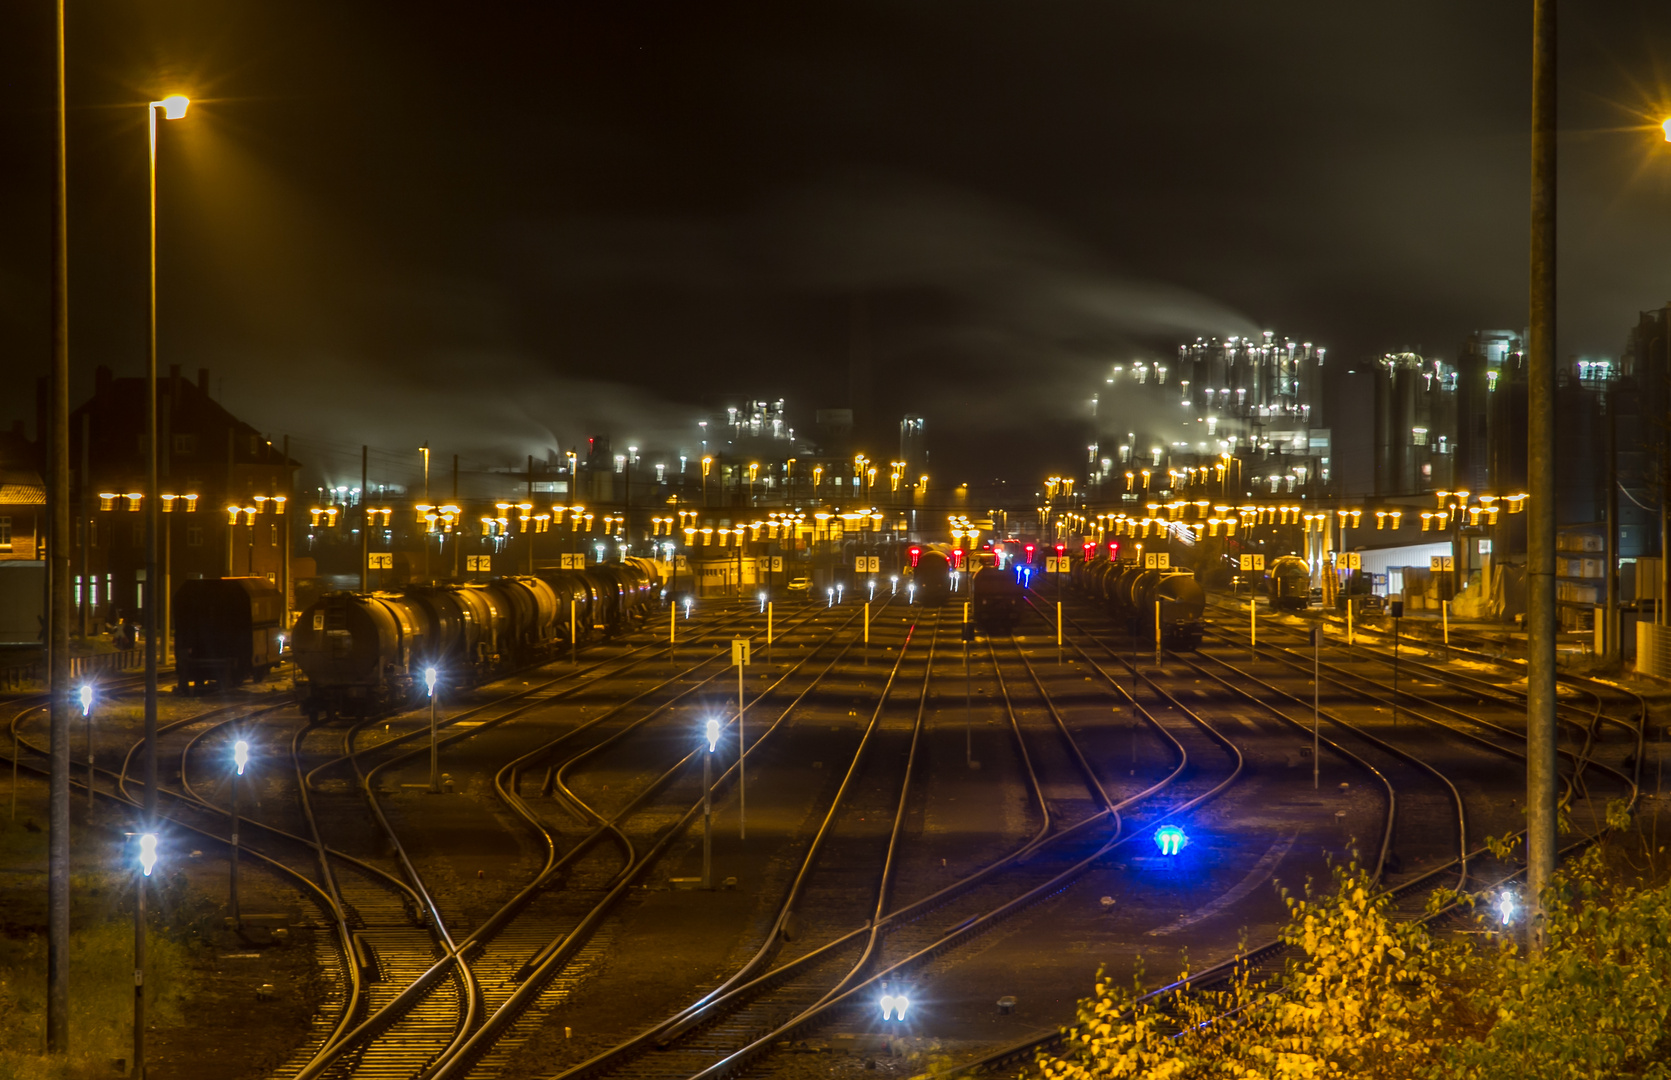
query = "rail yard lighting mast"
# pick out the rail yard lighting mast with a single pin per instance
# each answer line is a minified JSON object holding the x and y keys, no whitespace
{"x":173,"y":108}
{"x":1542,"y":768}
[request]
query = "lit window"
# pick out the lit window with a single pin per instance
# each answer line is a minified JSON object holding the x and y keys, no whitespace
{"x":1418,"y":436}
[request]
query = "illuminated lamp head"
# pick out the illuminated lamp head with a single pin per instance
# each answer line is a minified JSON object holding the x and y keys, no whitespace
{"x":1170,"y":839}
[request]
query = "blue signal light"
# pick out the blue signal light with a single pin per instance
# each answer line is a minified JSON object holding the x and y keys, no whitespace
{"x":1170,"y":839}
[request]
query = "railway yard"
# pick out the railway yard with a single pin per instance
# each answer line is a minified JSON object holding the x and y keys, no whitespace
{"x":938,"y":839}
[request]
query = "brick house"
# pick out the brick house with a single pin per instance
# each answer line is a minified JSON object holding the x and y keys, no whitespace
{"x":209,"y":462}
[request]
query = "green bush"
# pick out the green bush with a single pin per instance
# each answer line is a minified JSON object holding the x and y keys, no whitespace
{"x":1369,"y":996}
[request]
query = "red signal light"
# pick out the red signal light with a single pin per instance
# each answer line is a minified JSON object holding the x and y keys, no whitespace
{"x":1029,"y":549}
{"x":1060,"y":548}
{"x":916,"y":553}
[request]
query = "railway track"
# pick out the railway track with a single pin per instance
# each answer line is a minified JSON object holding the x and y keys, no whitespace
{"x":1408,"y":897}
{"x":467,"y":1039}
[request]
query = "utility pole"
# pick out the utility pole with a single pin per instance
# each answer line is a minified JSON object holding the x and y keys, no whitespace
{"x":1541,"y":765}
{"x":58,"y":577}
{"x":1611,"y":640}
{"x":365,"y":522}
{"x":290,"y":507}
{"x":85,"y":526}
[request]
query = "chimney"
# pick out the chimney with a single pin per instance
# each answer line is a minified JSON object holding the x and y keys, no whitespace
{"x":203,"y":381}
{"x":101,"y":381}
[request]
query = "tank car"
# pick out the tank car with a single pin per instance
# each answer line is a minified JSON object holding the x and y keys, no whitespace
{"x":996,"y":601}
{"x":362,"y":653}
{"x":226,"y":630}
{"x":1288,"y":584}
{"x":366,"y":653}
{"x":932,"y":576}
{"x":1183,"y":602}
{"x":1131,"y":593}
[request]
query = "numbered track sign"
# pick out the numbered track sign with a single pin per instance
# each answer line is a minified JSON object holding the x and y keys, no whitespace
{"x":873,"y":564}
{"x":1157,"y":560}
{"x":1253,"y":562}
{"x":478,"y":563}
{"x":739,"y":652}
{"x":380,"y":560}
{"x":777,"y":564}
{"x":1442,"y":562}
{"x":1351,"y":560}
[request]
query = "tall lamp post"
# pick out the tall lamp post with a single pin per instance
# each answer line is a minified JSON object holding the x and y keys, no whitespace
{"x":173,"y":108}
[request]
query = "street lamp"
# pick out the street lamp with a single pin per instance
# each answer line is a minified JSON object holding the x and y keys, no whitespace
{"x":434,"y":747}
{"x":708,"y":805}
{"x":173,"y":108}
{"x":240,"y":758}
{"x":87,"y":714}
{"x":147,"y":863}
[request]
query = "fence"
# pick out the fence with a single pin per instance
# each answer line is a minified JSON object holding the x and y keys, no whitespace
{"x":17,"y":676}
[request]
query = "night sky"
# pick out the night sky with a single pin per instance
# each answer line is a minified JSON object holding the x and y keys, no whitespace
{"x":502,"y":228}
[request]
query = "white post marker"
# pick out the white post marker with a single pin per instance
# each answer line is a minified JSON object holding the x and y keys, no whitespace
{"x":739,"y":657}
{"x":1058,"y":624}
{"x":574,"y":642}
{"x":1157,"y":631}
{"x":672,"y":622}
{"x":768,"y":622}
{"x":867,"y":622}
{"x":1445,"y":619}
{"x":1349,"y":636}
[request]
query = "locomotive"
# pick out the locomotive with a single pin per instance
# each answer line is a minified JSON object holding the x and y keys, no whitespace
{"x":1288,"y":584}
{"x":366,"y":653}
{"x":996,"y":600}
{"x":1131,"y":592}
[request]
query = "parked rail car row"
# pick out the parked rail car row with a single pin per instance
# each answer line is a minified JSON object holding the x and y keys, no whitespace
{"x":1131,"y":592}
{"x":364,"y":653}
